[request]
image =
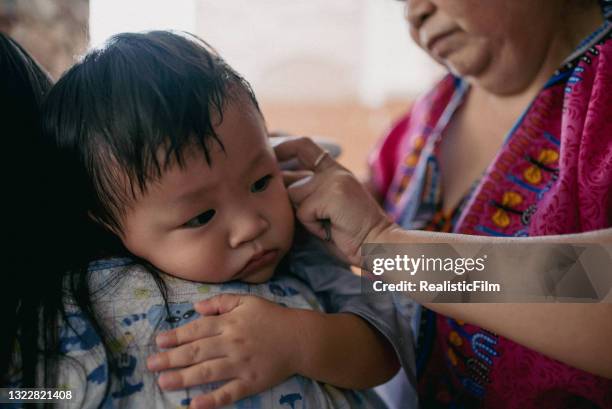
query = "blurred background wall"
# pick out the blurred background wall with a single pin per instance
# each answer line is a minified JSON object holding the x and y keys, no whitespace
{"x":342,"y":69}
{"x":56,"y":32}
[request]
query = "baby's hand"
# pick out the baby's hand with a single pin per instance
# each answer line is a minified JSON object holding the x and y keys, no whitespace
{"x":244,"y":340}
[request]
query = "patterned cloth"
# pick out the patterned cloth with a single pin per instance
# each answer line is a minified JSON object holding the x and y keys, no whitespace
{"x":131,"y":309}
{"x":553,"y":175}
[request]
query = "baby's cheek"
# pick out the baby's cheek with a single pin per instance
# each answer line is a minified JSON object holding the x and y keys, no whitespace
{"x":195,"y":259}
{"x":212,"y":263}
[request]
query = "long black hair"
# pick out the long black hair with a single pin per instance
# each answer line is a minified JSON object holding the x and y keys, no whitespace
{"x":30,"y":291}
{"x":104,"y":125}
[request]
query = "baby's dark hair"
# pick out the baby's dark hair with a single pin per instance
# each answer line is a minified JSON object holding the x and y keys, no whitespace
{"x":105,"y":123}
{"x":112,"y":113}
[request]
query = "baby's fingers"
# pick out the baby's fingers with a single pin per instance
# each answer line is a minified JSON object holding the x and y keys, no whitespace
{"x":189,"y":354}
{"x":219,"y":304}
{"x":200,"y":328}
{"x":227,"y":394}
{"x":210,"y":371}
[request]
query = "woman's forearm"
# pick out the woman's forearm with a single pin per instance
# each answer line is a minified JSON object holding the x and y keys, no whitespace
{"x":395,"y":234}
{"x":576,"y":334}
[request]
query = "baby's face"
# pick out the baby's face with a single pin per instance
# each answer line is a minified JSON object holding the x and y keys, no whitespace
{"x":230,"y":221}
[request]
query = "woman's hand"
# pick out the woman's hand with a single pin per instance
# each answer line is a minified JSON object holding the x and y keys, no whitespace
{"x":326,"y":190}
{"x":243,"y":340}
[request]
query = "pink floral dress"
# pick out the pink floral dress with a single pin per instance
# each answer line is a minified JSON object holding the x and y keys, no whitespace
{"x":553,"y":175}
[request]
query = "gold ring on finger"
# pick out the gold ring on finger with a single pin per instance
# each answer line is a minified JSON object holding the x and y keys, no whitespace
{"x":320,"y":158}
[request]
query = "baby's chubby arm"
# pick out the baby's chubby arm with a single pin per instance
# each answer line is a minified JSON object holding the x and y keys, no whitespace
{"x":255,"y":344}
{"x":343,"y":350}
{"x":340,"y":292}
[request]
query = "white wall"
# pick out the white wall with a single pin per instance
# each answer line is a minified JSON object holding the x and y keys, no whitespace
{"x":108,"y":17}
{"x":291,"y":50}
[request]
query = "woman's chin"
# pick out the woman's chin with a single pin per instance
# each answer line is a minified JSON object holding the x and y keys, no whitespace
{"x":468,"y":63}
{"x":479,"y":68}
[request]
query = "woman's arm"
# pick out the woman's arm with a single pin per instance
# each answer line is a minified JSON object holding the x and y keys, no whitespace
{"x":576,"y":334}
{"x":387,"y":232}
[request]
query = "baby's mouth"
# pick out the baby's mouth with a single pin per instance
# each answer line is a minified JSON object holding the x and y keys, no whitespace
{"x":257,"y":261}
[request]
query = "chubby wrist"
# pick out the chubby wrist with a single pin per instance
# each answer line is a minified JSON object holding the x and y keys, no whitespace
{"x":342,"y":350}
{"x":292,"y":347}
{"x":307,"y":328}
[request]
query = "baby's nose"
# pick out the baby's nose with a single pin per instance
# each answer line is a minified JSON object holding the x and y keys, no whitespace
{"x":247,"y":227}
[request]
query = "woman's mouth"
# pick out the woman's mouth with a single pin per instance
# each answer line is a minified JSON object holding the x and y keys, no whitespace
{"x":259,"y":260}
{"x":439,"y":44}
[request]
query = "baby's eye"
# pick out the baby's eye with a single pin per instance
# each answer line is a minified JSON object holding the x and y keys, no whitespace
{"x":261,"y":184}
{"x":201,"y":219}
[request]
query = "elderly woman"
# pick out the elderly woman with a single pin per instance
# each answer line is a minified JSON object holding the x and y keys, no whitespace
{"x":516,"y":141}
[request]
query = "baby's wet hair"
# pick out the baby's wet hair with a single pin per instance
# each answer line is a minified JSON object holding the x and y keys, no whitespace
{"x":113,"y":112}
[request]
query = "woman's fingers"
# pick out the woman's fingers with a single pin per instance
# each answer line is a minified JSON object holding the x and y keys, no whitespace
{"x":199,"y":328}
{"x":310,"y":213}
{"x":192,"y":353}
{"x":332,"y":203}
{"x":322,"y":186}
{"x":210,"y":371}
{"x":292,"y":176}
{"x":310,"y":155}
{"x":230,"y":392}
{"x":302,"y":188}
{"x":279,"y":133}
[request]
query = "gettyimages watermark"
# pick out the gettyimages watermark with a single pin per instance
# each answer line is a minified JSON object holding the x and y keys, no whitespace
{"x":515,"y":272}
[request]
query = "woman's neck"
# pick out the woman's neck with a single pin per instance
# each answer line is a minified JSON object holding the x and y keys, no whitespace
{"x":577,"y":20}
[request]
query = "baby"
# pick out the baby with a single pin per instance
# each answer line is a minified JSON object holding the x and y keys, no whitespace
{"x":163,"y":145}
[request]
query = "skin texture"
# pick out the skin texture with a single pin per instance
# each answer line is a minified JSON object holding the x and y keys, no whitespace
{"x":506,"y":50}
{"x":241,"y":339}
{"x":252,"y":212}
{"x":500,"y":45}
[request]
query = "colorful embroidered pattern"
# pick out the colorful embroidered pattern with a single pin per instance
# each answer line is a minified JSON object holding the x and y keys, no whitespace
{"x":553,"y":175}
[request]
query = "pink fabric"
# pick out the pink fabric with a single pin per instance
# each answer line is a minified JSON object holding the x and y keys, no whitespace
{"x":578,"y":115}
{"x":555,"y":174}
{"x":384,"y":158}
{"x":582,"y":198}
